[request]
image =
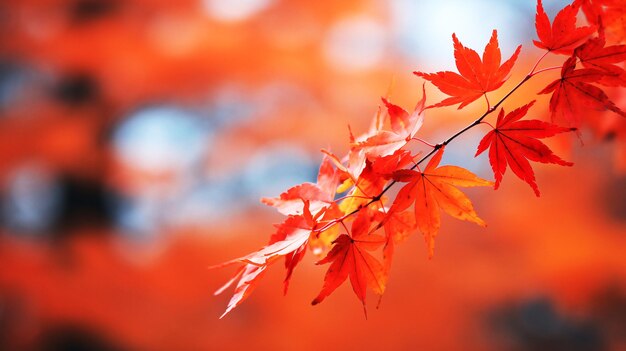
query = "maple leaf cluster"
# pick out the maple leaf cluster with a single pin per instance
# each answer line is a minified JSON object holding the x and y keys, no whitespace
{"x":347,"y":218}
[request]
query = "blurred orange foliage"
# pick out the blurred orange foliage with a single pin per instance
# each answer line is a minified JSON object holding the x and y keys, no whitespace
{"x":87,"y":282}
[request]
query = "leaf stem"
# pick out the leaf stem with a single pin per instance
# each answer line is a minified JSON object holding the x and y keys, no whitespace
{"x":532,"y":71}
{"x":489,"y":124}
{"x":345,"y":227}
{"x":423,"y":142}
{"x":545,"y":69}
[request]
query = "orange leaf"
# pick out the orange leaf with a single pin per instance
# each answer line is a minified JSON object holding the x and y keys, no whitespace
{"x":433,"y":190}
{"x":398,"y":226}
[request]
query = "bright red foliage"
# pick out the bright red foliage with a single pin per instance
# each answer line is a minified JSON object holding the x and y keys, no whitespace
{"x":379,"y":142}
{"x":608,"y":15}
{"x":360,"y":230}
{"x":477,"y":76}
{"x":563,"y":36}
{"x":350,"y":258}
{"x":573,"y":95}
{"x":514,"y":142}
{"x":594,"y":54}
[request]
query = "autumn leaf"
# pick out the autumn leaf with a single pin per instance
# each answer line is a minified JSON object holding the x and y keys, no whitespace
{"x":246,"y":277}
{"x":319,"y":195}
{"x":514,"y":142}
{"x":404,"y":125}
{"x":562,"y":36}
{"x":381,"y":158}
{"x":349,"y":257}
{"x":573,"y":95}
{"x":373,"y":179}
{"x":397,"y":226}
{"x":608,"y":15}
{"x":385,"y":166}
{"x":289,"y":241}
{"x":433,"y":190}
{"x":594,"y":54}
{"x":476,"y":77}
{"x":375,"y":155}
{"x":379,"y":142}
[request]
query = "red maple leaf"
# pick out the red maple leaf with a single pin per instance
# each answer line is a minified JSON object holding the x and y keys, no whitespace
{"x":573,"y":94}
{"x":594,"y":54}
{"x":476,"y":77}
{"x":318,"y":195}
{"x":562,"y":36}
{"x":514,"y":142}
{"x":350,"y":258}
{"x":385,"y":166}
{"x":608,"y":15}
{"x":593,"y":10}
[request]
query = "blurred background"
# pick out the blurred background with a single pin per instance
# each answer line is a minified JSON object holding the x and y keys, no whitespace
{"x":137,"y":136}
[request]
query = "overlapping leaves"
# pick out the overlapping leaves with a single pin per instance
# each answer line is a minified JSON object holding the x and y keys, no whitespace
{"x":348,"y":218}
{"x":563,"y":35}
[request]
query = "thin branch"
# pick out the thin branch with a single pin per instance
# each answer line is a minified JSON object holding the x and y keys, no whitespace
{"x":538,"y":61}
{"x":423,"y":142}
{"x":352,"y":196}
{"x":447,"y":141}
{"x":546,"y":69}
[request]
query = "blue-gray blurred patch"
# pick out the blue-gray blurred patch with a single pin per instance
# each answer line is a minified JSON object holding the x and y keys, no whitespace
{"x":537,"y":325}
{"x":275,"y":168}
{"x":31,"y":200}
{"x":14,"y":83}
{"x":422,"y":30}
{"x":162,"y":138}
{"x":228,"y":105}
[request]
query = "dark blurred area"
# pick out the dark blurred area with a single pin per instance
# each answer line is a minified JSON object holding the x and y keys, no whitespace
{"x":137,"y":136}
